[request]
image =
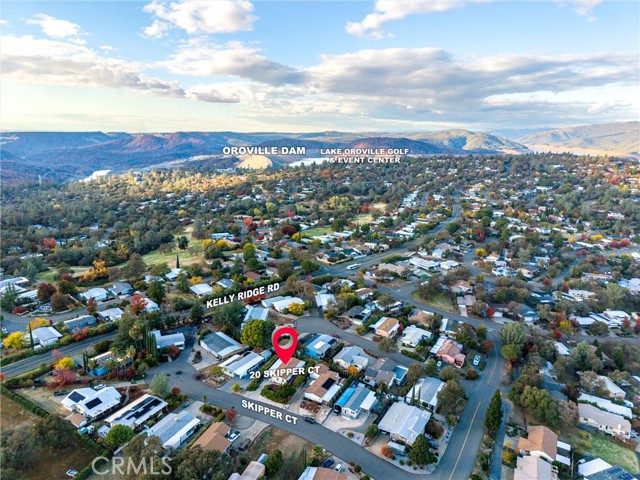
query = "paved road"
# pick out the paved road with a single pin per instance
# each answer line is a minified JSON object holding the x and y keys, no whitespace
{"x":30,"y":363}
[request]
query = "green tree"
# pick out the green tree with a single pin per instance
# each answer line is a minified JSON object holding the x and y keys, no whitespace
{"x":448,"y":373}
{"x":135,"y":268}
{"x":229,"y":315}
{"x":273,"y":463}
{"x":513,"y":334}
{"x":451,"y":397}
{"x":372,"y":431}
{"x":183,"y":242}
{"x":156,"y":291}
{"x":248,"y":252}
{"x":415,"y":371}
{"x":118,"y":435}
{"x":511,"y":352}
{"x":253,"y":333}
{"x":431,"y":367}
{"x":8,"y":298}
{"x":388,"y":345}
{"x":182,"y":282}
{"x":160,"y":385}
{"x":196,"y":313}
{"x":195,"y":462}
{"x":420,"y":453}
{"x":494,"y":414}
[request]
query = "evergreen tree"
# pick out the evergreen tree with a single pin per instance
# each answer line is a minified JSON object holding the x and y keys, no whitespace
{"x":156,"y":291}
{"x":420,"y":452}
{"x":494,"y":414}
{"x":177,"y":261}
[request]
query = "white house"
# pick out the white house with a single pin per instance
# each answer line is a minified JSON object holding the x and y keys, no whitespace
{"x":174,"y":429}
{"x":425,"y":392}
{"x":98,"y":294}
{"x":604,"y":421}
{"x":404,"y":422}
{"x":44,"y":336}
{"x":163,"y":341}
{"x":137,"y":412}
{"x":201,"y":289}
{"x":92,"y":403}
{"x":240,"y":366}
{"x":111,"y":314}
{"x":413,"y":336}
{"x":351,"y":357}
{"x":220,"y":345}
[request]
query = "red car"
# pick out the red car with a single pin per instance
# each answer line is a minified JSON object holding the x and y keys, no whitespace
{"x":335,"y":335}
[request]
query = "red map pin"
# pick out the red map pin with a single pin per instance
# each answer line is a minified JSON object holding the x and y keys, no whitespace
{"x":286,"y":349}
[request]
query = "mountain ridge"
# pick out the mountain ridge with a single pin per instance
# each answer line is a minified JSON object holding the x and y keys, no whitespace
{"x":26,"y":155}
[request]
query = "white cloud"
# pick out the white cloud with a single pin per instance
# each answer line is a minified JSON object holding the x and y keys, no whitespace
{"x":205,"y":59}
{"x":199,"y":16}
{"x":389,"y":10}
{"x":57,"y":28}
{"x":584,"y":7}
{"x":59,"y":62}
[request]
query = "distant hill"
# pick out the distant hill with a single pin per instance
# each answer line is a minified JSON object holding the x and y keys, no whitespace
{"x":620,"y":139}
{"x":61,"y":156}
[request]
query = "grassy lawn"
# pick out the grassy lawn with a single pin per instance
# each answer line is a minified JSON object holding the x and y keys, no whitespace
{"x":611,"y":452}
{"x":363,"y":218}
{"x":441,"y":300}
{"x":49,"y":275}
{"x":315,"y":232}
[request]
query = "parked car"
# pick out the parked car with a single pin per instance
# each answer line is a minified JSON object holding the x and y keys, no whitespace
{"x":60,"y":393}
{"x":245,"y":444}
{"x":72,"y":473}
{"x":476,"y":360}
{"x":309,"y":419}
{"x":439,"y":364}
{"x":327,"y":463}
{"x":39,"y":381}
{"x":338,"y":468}
{"x":335,"y":335}
{"x":100,"y":386}
{"x":233,"y":435}
{"x":5,"y":331}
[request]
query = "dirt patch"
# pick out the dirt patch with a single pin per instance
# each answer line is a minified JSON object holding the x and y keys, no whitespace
{"x":13,"y":416}
{"x":310,"y":407}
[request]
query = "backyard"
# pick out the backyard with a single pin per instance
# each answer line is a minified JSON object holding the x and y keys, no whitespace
{"x":44,"y":465}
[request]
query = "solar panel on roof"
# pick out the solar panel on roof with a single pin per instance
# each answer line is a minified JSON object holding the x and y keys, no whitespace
{"x":76,"y":397}
{"x":93,"y":403}
{"x":328,"y":383}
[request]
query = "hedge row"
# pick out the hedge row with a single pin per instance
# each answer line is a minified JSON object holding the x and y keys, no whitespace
{"x":25,"y":380}
{"x":23,"y":402}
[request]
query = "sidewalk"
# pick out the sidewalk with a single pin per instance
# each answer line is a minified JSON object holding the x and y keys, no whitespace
{"x":496,"y":459}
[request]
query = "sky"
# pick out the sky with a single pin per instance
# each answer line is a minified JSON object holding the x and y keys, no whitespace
{"x":298,"y":65}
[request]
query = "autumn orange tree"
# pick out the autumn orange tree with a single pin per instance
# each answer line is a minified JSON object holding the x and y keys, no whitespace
{"x":97,"y":271}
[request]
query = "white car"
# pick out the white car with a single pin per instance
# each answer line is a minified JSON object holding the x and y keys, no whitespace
{"x":353,"y":267}
{"x":72,"y":473}
{"x":439,"y":364}
{"x":338,"y":468}
{"x":476,"y":360}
